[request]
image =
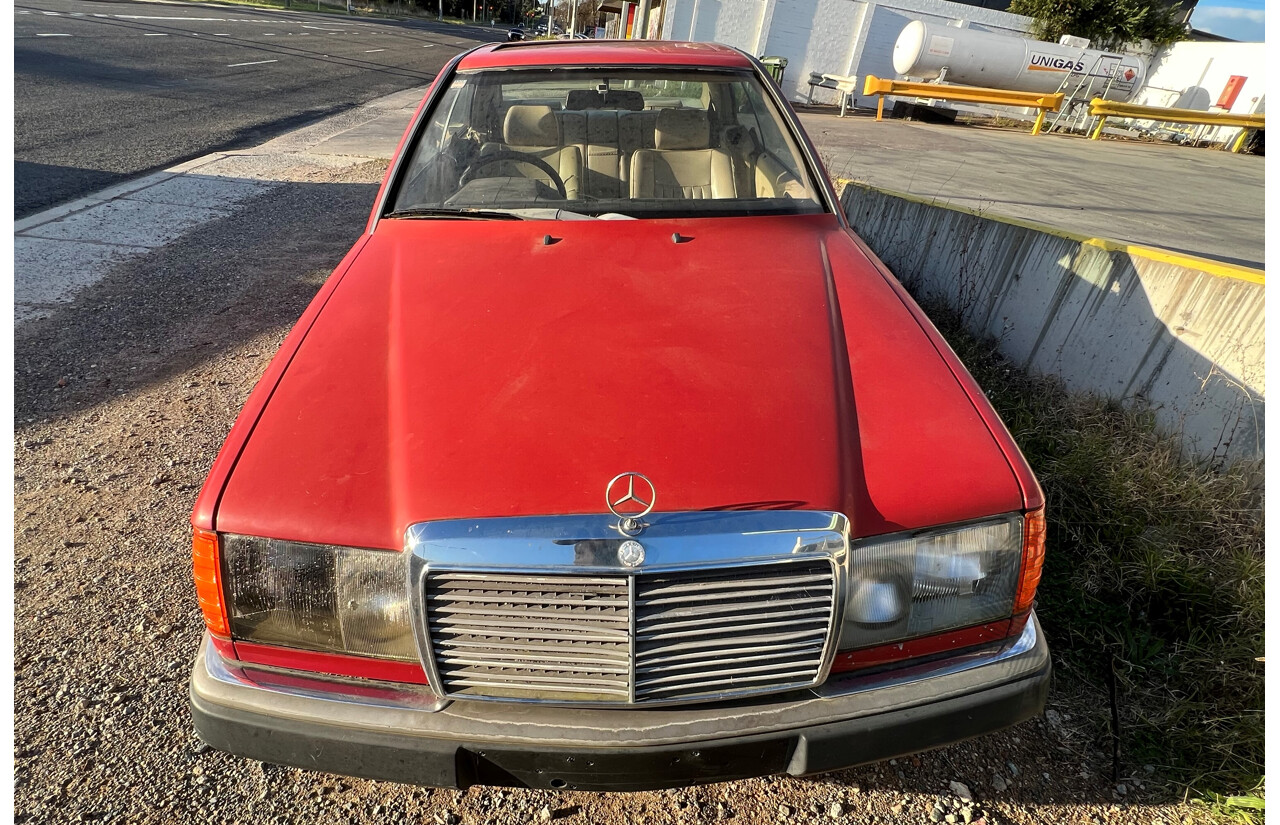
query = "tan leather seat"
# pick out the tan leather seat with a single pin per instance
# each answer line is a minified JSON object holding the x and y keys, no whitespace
{"x":595,"y":133}
{"x":682,"y":164}
{"x":535,"y":130}
{"x":606,"y":128}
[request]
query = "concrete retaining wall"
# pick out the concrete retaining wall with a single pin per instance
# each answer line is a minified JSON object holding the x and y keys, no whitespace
{"x":1180,"y":334}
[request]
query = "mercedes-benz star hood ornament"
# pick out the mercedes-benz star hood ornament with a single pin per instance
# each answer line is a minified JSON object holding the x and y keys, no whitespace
{"x":630,"y":497}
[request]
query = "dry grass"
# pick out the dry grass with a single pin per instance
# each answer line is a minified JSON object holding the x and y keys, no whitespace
{"x":1154,"y":576}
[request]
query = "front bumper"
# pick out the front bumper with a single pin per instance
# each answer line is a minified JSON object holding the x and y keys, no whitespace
{"x":407,"y":736}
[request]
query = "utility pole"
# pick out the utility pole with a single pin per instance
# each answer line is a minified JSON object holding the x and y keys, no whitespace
{"x":573,"y":18}
{"x":440,"y":10}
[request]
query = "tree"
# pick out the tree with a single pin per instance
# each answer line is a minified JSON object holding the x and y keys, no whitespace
{"x":1108,"y":24}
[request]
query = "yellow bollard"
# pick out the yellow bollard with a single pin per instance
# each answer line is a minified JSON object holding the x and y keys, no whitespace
{"x":1035,"y":130}
{"x":1239,"y":144}
{"x":879,"y":107}
{"x":1097,"y":133}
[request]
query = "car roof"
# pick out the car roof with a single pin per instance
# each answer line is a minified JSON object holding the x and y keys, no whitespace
{"x":604,"y":53}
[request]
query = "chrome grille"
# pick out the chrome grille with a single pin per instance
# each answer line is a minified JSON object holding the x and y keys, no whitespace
{"x":730,"y":630}
{"x":555,"y":638}
{"x":645,"y":638}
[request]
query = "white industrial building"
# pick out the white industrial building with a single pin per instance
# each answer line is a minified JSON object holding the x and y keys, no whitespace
{"x":1193,"y":76}
{"x":856,"y":38}
{"x":841,"y":37}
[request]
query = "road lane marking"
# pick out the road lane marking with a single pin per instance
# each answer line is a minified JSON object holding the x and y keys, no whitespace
{"x":52,"y":13}
{"x":154,"y":34}
{"x":52,"y":35}
{"x":251,"y":63}
{"x":222,"y":35}
{"x":188,"y":19}
{"x":371,"y":51}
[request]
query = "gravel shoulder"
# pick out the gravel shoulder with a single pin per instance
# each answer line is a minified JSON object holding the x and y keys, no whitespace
{"x":122,"y":399}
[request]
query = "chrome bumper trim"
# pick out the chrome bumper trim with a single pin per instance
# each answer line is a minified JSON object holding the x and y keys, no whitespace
{"x":274,"y":682}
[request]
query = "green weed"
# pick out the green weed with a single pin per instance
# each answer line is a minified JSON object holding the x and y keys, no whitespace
{"x":1247,"y":809}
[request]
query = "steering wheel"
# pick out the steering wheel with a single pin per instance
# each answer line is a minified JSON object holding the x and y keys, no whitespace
{"x":516,"y":157}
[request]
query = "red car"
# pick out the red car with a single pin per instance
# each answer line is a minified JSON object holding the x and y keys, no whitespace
{"x":610,"y":458}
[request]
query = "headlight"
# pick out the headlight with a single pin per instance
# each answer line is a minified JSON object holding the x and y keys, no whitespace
{"x":924,"y":582}
{"x":318,"y":597}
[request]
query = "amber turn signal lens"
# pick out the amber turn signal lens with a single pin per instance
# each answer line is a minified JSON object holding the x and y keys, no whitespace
{"x":206,"y":572}
{"x":1033,"y":530}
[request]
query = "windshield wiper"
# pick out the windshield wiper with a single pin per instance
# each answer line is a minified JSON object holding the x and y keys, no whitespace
{"x":454,"y":212}
{"x":520,"y":214}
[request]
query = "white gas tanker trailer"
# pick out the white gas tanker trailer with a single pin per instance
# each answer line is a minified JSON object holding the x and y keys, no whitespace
{"x":929,"y":52}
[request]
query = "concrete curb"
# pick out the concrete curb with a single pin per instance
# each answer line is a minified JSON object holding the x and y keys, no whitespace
{"x":111,"y":193}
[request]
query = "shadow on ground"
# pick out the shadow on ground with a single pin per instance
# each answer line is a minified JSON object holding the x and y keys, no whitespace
{"x":163,"y":313}
{"x":1054,"y":768}
{"x":39,"y":185}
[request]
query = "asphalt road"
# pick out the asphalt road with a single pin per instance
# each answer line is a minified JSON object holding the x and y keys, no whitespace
{"x":105,"y":91}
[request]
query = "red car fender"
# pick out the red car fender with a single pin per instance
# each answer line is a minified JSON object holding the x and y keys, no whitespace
{"x":203,"y":515}
{"x":1032,"y":495}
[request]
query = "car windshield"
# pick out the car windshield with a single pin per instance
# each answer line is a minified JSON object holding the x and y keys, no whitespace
{"x":616,"y":143}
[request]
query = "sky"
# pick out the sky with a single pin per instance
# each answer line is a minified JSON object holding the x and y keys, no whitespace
{"x":1237,"y":19}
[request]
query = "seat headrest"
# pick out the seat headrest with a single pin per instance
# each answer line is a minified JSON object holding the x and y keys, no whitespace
{"x":624,"y":99}
{"x":682,"y":129}
{"x":629,"y":99}
{"x":579,"y":99}
{"x":531,"y":126}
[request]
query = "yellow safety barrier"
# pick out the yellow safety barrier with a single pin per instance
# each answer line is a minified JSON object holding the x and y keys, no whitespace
{"x":1103,"y":109}
{"x":969,"y":94}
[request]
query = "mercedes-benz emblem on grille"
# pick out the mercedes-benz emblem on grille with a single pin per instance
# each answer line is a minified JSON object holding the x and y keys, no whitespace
{"x":631,"y":553}
{"x":630,"y":497}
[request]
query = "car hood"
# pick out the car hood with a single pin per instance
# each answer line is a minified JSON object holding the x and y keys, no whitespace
{"x":468,"y":369}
